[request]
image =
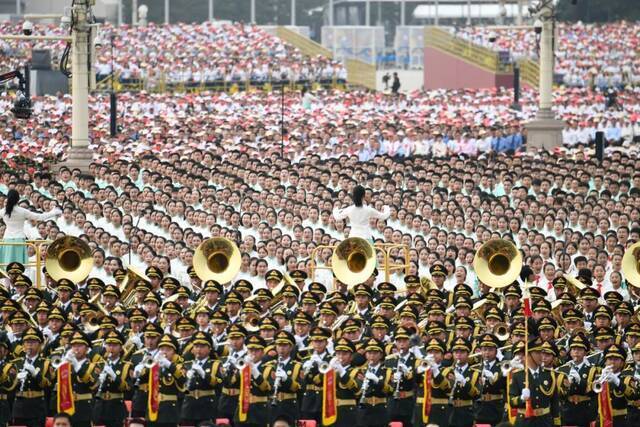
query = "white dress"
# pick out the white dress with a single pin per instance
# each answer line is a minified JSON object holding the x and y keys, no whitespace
{"x":15,"y":223}
{"x":359,"y":219}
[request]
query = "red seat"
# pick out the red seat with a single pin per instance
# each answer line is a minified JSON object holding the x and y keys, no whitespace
{"x":48,"y":422}
{"x":307,"y":423}
{"x":395,"y":424}
{"x":223,"y":421}
{"x":127,"y":404}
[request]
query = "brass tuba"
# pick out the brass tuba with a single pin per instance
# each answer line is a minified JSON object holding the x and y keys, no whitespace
{"x":497,"y":263}
{"x":217,"y":259}
{"x":128,"y":285}
{"x":631,"y":265}
{"x":353,"y":261}
{"x":69,"y":258}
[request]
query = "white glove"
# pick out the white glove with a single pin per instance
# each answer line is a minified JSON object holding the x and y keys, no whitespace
{"x":340,"y":370}
{"x":460,"y":379}
{"x":164,"y":362}
{"x":306,"y":366}
{"x":137,"y":372}
{"x":280,"y":373}
{"x":109,"y":371}
{"x":22,"y":375}
{"x":526,"y":394}
{"x":198,"y":370}
{"x":102,"y":377}
{"x":614,"y":379}
{"x":255,"y":372}
{"x":435,"y":370}
{"x":372,"y":377}
{"x":30,"y":368}
{"x":487,"y":374}
{"x":137,"y":341}
{"x":397,"y":376}
{"x":316,"y":358}
{"x":499,"y":355}
{"x":421,"y":369}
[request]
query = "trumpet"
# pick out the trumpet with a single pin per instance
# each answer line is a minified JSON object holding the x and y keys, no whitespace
{"x":241,"y":363}
{"x":58,"y":360}
{"x":604,"y":377}
{"x":508,"y":365}
{"x":365,"y":387}
{"x":455,"y":382}
{"x":325,"y":367}
{"x":426,"y":363}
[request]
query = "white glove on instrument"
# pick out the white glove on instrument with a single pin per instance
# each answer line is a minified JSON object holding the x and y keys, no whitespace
{"x":109,"y":371}
{"x":255,"y":372}
{"x":136,"y":341}
{"x":306,"y":366}
{"x":372,"y":377}
{"x":138,"y":370}
{"x":316,"y":358}
{"x":435,"y":370}
{"x":340,"y":370}
{"x":30,"y":368}
{"x":614,"y":379}
{"x":22,"y":375}
{"x":198,"y":370}
{"x":280,"y":373}
{"x":526,"y":394}
{"x":487,"y":374}
{"x":460,"y":379}
{"x":102,"y":377}
{"x":164,"y":362}
{"x":397,"y":376}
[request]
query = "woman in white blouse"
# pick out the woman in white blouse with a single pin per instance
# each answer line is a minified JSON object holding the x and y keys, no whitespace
{"x":359,"y":214}
{"x":14,"y":218}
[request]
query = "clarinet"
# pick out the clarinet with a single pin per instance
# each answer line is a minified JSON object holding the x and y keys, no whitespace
{"x":276,"y":384}
{"x":103,"y":379}
{"x":365,"y":387}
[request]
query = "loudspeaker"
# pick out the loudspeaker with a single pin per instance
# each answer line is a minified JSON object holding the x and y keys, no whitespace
{"x":41,"y":59}
{"x":600,"y":146}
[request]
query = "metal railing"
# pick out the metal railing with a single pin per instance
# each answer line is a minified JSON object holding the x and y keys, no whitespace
{"x":37,"y":246}
{"x":384,"y":248}
{"x":439,"y":38}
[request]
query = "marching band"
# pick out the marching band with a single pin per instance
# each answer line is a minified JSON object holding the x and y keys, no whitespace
{"x":148,"y":347}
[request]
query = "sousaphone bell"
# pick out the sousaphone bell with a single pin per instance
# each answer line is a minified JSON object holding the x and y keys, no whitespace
{"x":631,"y":265}
{"x":217,"y":259}
{"x":128,"y":285}
{"x":69,"y":258}
{"x":497,"y":263}
{"x":353,"y":261}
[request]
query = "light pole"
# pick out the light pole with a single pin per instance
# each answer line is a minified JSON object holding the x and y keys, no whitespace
{"x":113,"y":100}
{"x":210,"y":10}
{"x":545,"y":131}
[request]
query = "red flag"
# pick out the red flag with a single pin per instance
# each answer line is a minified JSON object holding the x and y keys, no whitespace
{"x":526,"y":302}
{"x":605,"y":408}
{"x":329,"y":401}
{"x":65,"y":389}
{"x":244,"y":399}
{"x":153,"y":401}
{"x":426,"y":404}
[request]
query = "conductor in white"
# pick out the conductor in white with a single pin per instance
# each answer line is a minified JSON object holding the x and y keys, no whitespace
{"x":359,"y":214}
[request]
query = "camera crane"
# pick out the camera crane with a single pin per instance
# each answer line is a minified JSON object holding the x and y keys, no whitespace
{"x":22,"y":105}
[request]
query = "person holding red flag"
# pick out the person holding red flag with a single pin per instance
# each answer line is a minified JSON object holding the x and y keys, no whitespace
{"x":432,"y":402}
{"x":542,"y":409}
{"x":615,"y":389}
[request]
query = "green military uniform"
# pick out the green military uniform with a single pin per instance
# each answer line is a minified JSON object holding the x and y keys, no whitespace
{"x":348,"y":388}
{"x":284,"y":379}
{"x":228,"y":402}
{"x":172,"y":381}
{"x":113,"y":382}
{"x":8,"y":381}
{"x":202,"y":385}
{"x":257,"y":412}
{"x":311,"y":402}
{"x":578,"y":400}
{"x":620,"y":389}
{"x":465,"y":388}
{"x":489,"y":408}
{"x":543,"y":394}
{"x":438,"y":410}
{"x":34,"y":375}
{"x":376,"y":388}
{"x":402,"y":401}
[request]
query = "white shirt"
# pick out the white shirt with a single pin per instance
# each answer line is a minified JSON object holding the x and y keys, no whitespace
{"x":359,"y":218}
{"x":15,"y":222}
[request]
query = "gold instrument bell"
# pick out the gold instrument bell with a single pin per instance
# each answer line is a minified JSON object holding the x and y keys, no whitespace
{"x":217,"y":259}
{"x":353,"y":261}
{"x":497,"y":263}
{"x":128,"y":285}
{"x":631,"y":265}
{"x":69,"y":258}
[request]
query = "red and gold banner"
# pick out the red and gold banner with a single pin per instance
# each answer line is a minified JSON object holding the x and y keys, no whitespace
{"x":426,"y":388}
{"x":65,"y":389}
{"x":329,"y":401}
{"x":244,"y":400}
{"x":605,"y":408}
{"x":153,"y":400}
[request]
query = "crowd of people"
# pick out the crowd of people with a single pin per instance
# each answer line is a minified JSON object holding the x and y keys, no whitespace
{"x":435,"y":341}
{"x":603,"y":55}
{"x":185,"y":53}
{"x":436,"y":123}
